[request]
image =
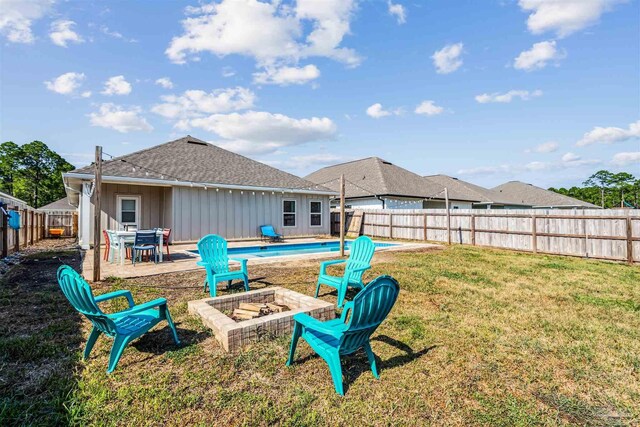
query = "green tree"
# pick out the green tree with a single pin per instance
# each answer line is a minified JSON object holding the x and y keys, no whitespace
{"x":603,"y":180}
{"x":9,"y":164}
{"x":623,"y":184}
{"x":34,"y":172}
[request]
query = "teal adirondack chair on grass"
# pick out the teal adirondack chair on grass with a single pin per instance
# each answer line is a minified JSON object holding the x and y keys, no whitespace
{"x":352,"y":331}
{"x":213,"y":251}
{"x":360,"y":254}
{"x":123,"y":326}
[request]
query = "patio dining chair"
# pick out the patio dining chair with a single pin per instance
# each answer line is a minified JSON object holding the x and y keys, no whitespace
{"x":145,"y":243}
{"x":352,"y":331}
{"x":166,"y":234}
{"x":214,"y":258}
{"x":123,"y":326}
{"x":114,"y":245}
{"x":360,"y":254}
{"x":107,"y":245}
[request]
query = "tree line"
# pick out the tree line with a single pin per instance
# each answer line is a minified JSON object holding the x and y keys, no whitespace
{"x":32,"y":172}
{"x":607,"y":189}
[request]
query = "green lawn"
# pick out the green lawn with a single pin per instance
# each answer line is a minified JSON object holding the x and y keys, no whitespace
{"x":478,"y":337}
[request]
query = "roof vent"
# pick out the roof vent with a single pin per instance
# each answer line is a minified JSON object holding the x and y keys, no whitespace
{"x":191,"y":141}
{"x":387,"y":163}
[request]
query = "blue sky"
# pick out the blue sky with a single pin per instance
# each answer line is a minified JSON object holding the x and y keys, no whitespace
{"x":543,"y":91}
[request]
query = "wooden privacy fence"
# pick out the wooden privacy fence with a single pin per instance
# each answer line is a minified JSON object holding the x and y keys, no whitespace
{"x":594,"y":233}
{"x":32,"y":226}
{"x":65,"y":220}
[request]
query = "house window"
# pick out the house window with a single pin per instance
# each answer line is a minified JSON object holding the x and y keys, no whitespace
{"x":288,"y":213}
{"x":129,"y":210}
{"x":315,"y":214}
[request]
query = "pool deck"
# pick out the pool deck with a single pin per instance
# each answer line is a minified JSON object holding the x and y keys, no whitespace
{"x":182,"y":260}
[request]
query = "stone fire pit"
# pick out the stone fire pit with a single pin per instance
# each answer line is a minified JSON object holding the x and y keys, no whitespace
{"x":234,"y":335}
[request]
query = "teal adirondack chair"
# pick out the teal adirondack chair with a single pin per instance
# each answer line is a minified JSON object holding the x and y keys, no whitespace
{"x":123,"y":326}
{"x":360,"y":254}
{"x":352,"y":331}
{"x":213,"y":251}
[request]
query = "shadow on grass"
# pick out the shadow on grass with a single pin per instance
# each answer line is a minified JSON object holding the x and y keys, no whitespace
{"x":160,"y":341}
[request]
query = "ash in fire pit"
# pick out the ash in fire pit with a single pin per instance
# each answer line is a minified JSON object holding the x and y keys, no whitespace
{"x":251,"y":310}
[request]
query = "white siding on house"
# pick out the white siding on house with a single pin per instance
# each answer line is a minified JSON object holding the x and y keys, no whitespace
{"x":237,"y":215}
{"x":368,"y":203}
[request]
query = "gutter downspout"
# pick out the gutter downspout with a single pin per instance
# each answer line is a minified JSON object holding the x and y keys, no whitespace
{"x":381,"y":199}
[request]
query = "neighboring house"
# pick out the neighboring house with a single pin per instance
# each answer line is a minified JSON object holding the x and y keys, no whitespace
{"x":196,"y":188}
{"x":62,"y":205}
{"x":483,"y":198}
{"x":539,"y":198}
{"x":374,"y":183}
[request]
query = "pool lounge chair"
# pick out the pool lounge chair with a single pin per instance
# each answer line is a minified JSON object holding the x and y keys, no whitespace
{"x":351,"y":332}
{"x":268,"y":233}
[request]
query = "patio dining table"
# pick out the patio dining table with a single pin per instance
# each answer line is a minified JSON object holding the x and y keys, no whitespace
{"x":129,"y":236}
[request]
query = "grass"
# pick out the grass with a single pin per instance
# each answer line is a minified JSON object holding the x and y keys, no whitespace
{"x":478,"y":337}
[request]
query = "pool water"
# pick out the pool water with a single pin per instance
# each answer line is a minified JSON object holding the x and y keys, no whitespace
{"x":291,"y":249}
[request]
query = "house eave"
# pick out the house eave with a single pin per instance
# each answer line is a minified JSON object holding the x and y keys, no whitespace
{"x":210,"y":185}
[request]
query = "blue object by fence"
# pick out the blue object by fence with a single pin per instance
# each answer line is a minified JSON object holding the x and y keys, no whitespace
{"x":14,"y":220}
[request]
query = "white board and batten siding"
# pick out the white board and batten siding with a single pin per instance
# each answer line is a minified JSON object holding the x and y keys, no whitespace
{"x":593,"y":233}
{"x":238,"y":215}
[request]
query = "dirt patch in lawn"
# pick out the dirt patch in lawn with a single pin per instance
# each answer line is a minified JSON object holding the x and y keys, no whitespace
{"x":39,"y":338}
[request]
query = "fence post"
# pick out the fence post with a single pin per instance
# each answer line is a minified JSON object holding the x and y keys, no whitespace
{"x":473,"y":229}
{"x":390,"y":225}
{"x":5,"y":231}
{"x":629,"y":241}
{"x":17,"y":231}
{"x":534,"y":234}
{"x":32,"y":214}
{"x":425,"y":227}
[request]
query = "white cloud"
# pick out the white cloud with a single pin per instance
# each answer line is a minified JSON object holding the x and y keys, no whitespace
{"x":115,"y":34}
{"x":285,"y":76}
{"x":198,"y":103}
{"x":123,"y":120}
{"x":17,"y":16}
{"x":545,"y":147}
{"x":263,"y":132}
{"x":447,"y":59}
{"x":397,"y":10}
{"x":564,"y":16}
{"x":270,"y":32}
{"x":628,"y":158}
{"x":376,"y":111}
{"x":308,"y":161}
{"x":228,"y":72}
{"x":86,"y":94}
{"x":116,"y":85}
{"x":507,"y":97}
{"x":428,"y":108}
{"x":538,"y":56}
{"x":65,"y":84}
{"x":567,"y":161}
{"x":62,"y":33}
{"x":609,"y":135}
{"x":165,"y":82}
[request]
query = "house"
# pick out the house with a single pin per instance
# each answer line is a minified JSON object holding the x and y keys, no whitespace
{"x":196,"y":188}
{"x":62,"y":205}
{"x":483,"y":198}
{"x":374,"y":183}
{"x":539,"y":198}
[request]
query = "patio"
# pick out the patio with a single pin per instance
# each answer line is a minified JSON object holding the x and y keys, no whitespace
{"x":182,"y":260}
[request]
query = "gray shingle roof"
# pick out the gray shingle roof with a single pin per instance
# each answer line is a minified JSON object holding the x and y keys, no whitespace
{"x":539,"y":197}
{"x":58,"y":205}
{"x":463,"y":190}
{"x":376,"y":177}
{"x":191,"y":159}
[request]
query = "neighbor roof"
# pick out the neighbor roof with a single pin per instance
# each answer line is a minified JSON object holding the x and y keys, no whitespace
{"x":468,"y":191}
{"x":191,"y":159}
{"x":376,"y":177}
{"x":539,"y":197}
{"x":59,"y":205}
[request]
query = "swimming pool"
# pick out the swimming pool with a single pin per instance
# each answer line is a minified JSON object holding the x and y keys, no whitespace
{"x":265,"y":251}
